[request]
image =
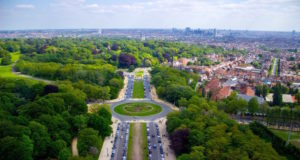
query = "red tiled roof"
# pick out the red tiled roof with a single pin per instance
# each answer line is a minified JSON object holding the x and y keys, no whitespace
{"x":223,"y":92}
{"x":212,"y":85}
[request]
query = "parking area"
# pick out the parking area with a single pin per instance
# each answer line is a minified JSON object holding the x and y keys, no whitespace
{"x":147,"y":91}
{"x":155,"y":149}
{"x":120,"y":144}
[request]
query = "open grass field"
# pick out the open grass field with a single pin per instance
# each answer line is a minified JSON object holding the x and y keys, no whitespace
{"x":294,"y":139}
{"x":6,"y":71}
{"x":138,"y":109}
{"x":139,"y":73}
{"x":138,"y":89}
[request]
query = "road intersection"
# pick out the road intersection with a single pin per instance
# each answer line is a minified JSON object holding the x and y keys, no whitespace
{"x":119,"y":144}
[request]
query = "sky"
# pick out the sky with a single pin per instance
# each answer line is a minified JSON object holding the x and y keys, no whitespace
{"x":268,"y":15}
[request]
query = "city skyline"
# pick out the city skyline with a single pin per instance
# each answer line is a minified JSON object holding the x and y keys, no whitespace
{"x":275,"y":15}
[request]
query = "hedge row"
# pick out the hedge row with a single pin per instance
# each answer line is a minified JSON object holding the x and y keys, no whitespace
{"x":278,"y":143}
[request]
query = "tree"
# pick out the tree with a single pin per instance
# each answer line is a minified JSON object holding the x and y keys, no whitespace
{"x":55,"y":147}
{"x":126,"y":60}
{"x":103,"y":112}
{"x":88,"y":138}
{"x":79,"y":122}
{"x":265,"y":90}
{"x":64,"y":154}
{"x":179,"y":141}
{"x":100,"y":124}
{"x":6,"y":59}
{"x":298,"y":97}
{"x":41,"y":139}
{"x":50,"y":89}
{"x":16,"y":148}
{"x":277,"y":96}
{"x":253,"y":105}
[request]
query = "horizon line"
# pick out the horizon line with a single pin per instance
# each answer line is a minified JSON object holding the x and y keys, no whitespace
{"x":146,"y":28}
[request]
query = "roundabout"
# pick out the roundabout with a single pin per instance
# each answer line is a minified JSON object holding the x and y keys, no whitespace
{"x":138,"y":109}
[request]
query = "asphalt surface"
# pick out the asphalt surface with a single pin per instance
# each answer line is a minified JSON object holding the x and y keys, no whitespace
{"x":119,"y":150}
{"x":147,"y":91}
{"x":155,"y":149}
{"x":129,"y":89}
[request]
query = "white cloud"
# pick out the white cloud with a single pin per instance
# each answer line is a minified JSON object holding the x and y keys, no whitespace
{"x":25,"y":6}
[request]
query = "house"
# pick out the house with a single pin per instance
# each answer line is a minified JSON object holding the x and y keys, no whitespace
{"x":247,"y":91}
{"x":222,"y":93}
{"x":286,"y":98}
{"x":183,"y":61}
{"x":212,"y":85}
{"x":247,"y":98}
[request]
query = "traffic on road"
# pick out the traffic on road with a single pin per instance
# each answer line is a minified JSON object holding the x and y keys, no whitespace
{"x":129,"y":89}
{"x":155,"y":149}
{"x":147,"y":91}
{"x":120,"y":144}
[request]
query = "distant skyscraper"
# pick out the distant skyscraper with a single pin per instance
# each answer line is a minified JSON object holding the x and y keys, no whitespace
{"x":99,"y":31}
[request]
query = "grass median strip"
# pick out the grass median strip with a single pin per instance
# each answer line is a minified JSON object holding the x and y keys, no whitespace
{"x":138,"y":109}
{"x":138,"y":89}
{"x":144,"y":141}
{"x":139,"y":73}
{"x":137,"y":142}
{"x":130,"y":141}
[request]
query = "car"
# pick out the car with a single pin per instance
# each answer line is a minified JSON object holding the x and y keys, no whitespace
{"x":153,"y":135}
{"x":154,"y":145}
{"x":159,"y":140}
{"x":149,"y":147}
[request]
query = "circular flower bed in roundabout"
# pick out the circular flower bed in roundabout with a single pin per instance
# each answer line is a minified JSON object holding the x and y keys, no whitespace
{"x":138,"y":109}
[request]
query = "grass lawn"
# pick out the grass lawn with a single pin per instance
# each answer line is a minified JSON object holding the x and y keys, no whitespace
{"x":138,"y":109}
{"x":139,"y":73}
{"x":130,"y":140}
{"x":294,"y":139}
{"x":138,"y":89}
{"x":144,"y":141}
{"x":6,"y":71}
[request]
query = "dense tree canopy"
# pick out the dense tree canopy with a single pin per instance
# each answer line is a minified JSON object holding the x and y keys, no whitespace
{"x":38,"y":121}
{"x":202,"y":131}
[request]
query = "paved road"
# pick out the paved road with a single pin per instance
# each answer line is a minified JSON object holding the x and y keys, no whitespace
{"x":119,"y":150}
{"x":129,"y":89}
{"x":155,"y":149}
{"x":274,"y":66}
{"x":147,"y":87}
